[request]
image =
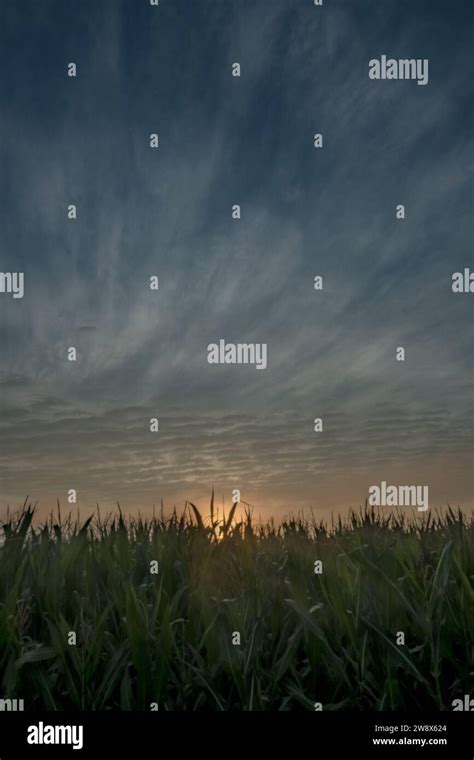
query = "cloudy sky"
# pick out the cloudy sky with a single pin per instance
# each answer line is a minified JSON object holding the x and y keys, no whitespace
{"x":167,"y":212}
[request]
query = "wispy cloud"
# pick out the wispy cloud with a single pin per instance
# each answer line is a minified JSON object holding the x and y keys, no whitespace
{"x":304,"y":212}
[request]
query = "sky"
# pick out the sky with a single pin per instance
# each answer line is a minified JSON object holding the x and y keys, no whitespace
{"x":167,"y":212}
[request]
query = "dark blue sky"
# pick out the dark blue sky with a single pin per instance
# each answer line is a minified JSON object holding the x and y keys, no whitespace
{"x":225,"y":141}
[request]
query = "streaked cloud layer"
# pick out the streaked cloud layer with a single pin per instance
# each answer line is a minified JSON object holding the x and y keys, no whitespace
{"x":305,"y":212}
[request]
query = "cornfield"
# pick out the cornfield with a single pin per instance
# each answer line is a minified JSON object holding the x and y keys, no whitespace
{"x":236,"y":615}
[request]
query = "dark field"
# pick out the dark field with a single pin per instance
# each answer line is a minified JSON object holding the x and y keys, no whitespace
{"x":305,"y":638}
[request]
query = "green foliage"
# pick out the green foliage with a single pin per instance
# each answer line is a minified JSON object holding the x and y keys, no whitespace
{"x":305,"y":638}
